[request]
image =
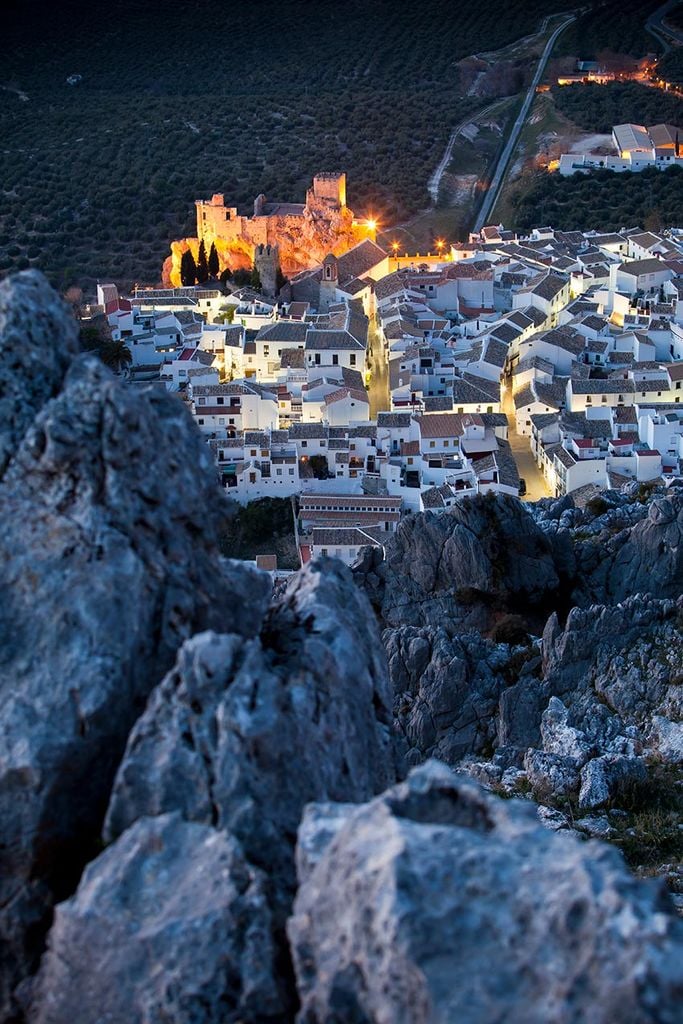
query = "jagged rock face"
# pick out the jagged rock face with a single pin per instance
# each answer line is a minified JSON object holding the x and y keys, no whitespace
{"x":446,"y":691}
{"x":38,"y":340}
{"x":645,"y":559}
{"x":439,"y":902}
{"x":166,"y":893}
{"x":110,"y":517}
{"x":242,"y":735}
{"x":485,"y":550}
{"x":235,"y":739}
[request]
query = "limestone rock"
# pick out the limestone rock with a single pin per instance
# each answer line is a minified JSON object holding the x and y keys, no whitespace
{"x":170,"y":924}
{"x":436,"y":901}
{"x":552,"y":776}
{"x":607,"y":778}
{"x":446,"y":690}
{"x":38,"y":340}
{"x":454,"y":566}
{"x":242,"y":735}
{"x":559,"y":737}
{"x":667,"y":738}
{"x":110,"y":515}
{"x":647,"y":558}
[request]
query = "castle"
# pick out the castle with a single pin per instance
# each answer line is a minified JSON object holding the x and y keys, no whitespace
{"x":299,"y":235}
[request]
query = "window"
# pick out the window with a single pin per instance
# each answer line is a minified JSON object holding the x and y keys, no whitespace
{"x":323,"y":551}
{"x":304,"y":444}
{"x":252,"y":478}
{"x":335,"y":359}
{"x":220,"y":400}
{"x":291,"y":471}
{"x":279,"y":471}
{"x":352,"y":359}
{"x":432,"y":444}
{"x":253,"y":452}
{"x":200,"y":422}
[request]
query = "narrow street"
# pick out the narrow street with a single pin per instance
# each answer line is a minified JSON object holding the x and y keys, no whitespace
{"x":378,"y":389}
{"x":536,"y":485}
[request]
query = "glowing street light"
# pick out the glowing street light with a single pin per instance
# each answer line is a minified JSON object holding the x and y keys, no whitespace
{"x":395,"y":247}
{"x":371,"y":223}
{"x":440,"y":244}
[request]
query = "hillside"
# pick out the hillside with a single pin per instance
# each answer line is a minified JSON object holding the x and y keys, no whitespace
{"x":605,"y":200}
{"x":179,"y":102}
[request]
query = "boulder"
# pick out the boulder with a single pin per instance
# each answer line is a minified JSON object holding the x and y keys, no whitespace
{"x":110,"y":518}
{"x":558,"y":737}
{"x":170,"y":923}
{"x":439,"y":902}
{"x":552,"y":776}
{"x":242,"y":735}
{"x":609,"y":778}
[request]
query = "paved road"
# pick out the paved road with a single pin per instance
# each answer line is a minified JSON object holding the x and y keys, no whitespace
{"x":536,"y":486}
{"x":504,"y":159}
{"x":655,"y":24}
{"x":378,"y":390}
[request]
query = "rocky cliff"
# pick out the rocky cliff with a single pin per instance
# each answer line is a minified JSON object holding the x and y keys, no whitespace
{"x":207,"y":812}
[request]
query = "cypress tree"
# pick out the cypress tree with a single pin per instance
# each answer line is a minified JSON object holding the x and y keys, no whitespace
{"x":202,"y":264}
{"x":188,"y":269}
{"x":255,"y":279}
{"x":213,"y":261}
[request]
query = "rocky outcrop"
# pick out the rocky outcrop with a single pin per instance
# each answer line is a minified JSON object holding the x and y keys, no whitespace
{"x":646,"y":559}
{"x":447,"y":690}
{"x":242,"y":735}
{"x":166,"y":893}
{"x":438,"y":902}
{"x":38,"y":340}
{"x":486,"y":552}
{"x":110,"y":520}
{"x":238,"y":736}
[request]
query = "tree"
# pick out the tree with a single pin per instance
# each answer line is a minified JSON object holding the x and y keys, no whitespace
{"x":188,"y":269}
{"x":226,"y":316}
{"x":115,"y":355}
{"x":213,"y":261}
{"x":202,"y":264}
{"x":226,"y":275}
{"x":255,"y":279}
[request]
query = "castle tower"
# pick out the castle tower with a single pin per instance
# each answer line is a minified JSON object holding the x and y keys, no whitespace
{"x":267,"y":262}
{"x":328,"y":192}
{"x":328,"y":283}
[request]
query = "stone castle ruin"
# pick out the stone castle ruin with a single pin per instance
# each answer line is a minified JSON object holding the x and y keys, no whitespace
{"x":299,"y":234}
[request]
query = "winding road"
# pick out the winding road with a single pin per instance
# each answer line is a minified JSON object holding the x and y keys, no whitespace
{"x":656,"y":25}
{"x":504,"y":158}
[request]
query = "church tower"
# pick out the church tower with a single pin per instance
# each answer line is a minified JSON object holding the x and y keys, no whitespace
{"x":328,"y":283}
